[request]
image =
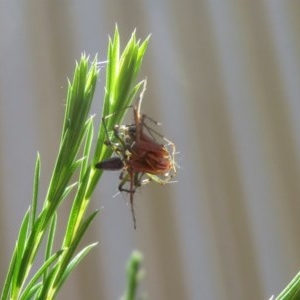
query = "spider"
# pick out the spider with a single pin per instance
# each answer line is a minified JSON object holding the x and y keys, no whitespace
{"x":140,"y":157}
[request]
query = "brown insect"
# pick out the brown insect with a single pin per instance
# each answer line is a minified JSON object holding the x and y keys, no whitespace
{"x":140,"y":156}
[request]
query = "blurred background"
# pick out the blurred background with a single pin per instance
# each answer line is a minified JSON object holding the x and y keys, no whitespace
{"x":224,"y":79}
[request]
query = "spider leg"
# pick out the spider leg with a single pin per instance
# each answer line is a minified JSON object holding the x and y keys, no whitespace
{"x":131,"y":200}
{"x":124,"y":179}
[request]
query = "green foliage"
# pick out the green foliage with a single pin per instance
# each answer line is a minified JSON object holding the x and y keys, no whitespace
{"x":133,"y":275}
{"x":75,"y":154}
{"x":292,"y":291}
{"x":120,"y":89}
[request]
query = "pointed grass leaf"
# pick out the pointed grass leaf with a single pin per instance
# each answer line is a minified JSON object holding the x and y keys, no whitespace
{"x":59,"y":193}
{"x":77,"y":135}
{"x":32,"y":283}
{"x":68,"y":189}
{"x":20,"y":248}
{"x":133,"y":275}
{"x":58,"y":275}
{"x":77,"y":210}
{"x":121,"y":74}
{"x":112,"y":70}
{"x":91,"y":81}
{"x":141,"y":53}
{"x":291,"y":291}
{"x":79,"y":99}
{"x":35,"y":193}
{"x":127,"y":74}
{"x":76,"y":239}
{"x":50,"y":239}
{"x":87,"y":147}
{"x":22,"y":238}
{"x":7,"y":287}
{"x":32,"y":293}
{"x":74,"y":262}
{"x":29,"y":253}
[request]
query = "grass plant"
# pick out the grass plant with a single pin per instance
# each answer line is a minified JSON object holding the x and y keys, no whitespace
{"x":73,"y":171}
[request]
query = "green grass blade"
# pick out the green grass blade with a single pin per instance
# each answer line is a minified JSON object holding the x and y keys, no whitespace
{"x":76,"y":239}
{"x":112,"y":70}
{"x":141,"y":53}
{"x":74,"y":262}
{"x":77,"y":210}
{"x":68,"y":189}
{"x":133,"y":275}
{"x":23,"y":233}
{"x":36,"y":182}
{"x":32,"y":283}
{"x":50,"y":240}
{"x":53,"y":282}
{"x":120,"y":90}
{"x":87,"y":147}
{"x":134,"y":92}
{"x":10,"y":274}
{"x":292,"y":291}
{"x":79,"y":99}
{"x":32,"y":292}
{"x":76,"y":137}
{"x":21,"y":245}
{"x":26,"y":260}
